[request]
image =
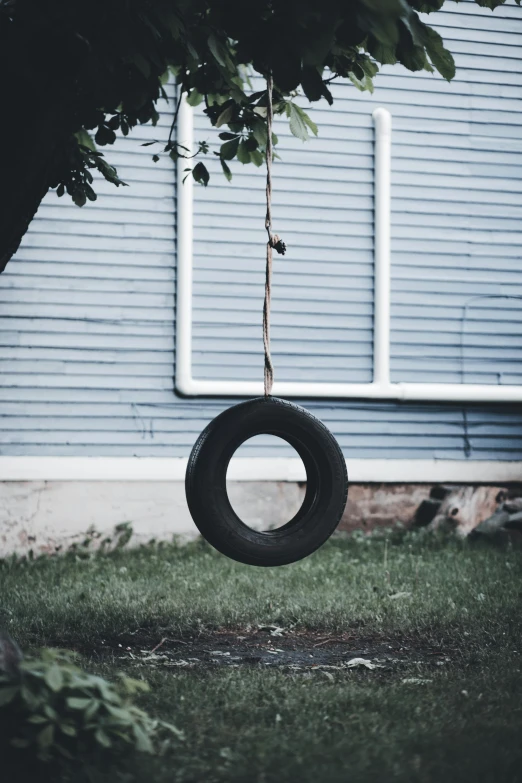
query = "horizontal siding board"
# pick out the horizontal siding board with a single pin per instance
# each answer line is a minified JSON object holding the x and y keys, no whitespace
{"x":76,"y":355}
{"x":140,"y":421}
{"x":71,"y":382}
{"x":80,"y":255}
{"x":71,"y":273}
{"x":190,"y":413}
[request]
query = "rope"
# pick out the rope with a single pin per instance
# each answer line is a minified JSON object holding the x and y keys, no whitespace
{"x":274,"y":242}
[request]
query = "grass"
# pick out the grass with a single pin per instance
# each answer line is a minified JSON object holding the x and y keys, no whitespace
{"x":462,"y":722}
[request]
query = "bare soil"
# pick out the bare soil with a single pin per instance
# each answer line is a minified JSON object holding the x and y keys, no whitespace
{"x":270,"y":646}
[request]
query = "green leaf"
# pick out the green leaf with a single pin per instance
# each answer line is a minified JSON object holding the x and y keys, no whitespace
{"x":297,"y":124}
{"x":243,"y":154}
{"x":85,"y":138}
{"x":106,"y":688}
{"x":218,"y":50}
{"x":429,"y":6}
{"x":38,"y":719}
{"x":102,"y":738}
{"x":8,"y":694}
{"x":143,"y":742}
{"x":60,"y":190}
{"x":229,"y":149}
{"x":327,"y":94}
{"x":104,"y":135}
{"x":226,"y":169}
{"x":438,"y":54}
{"x":200,"y":174}
{"x":50,"y":712}
{"x":382,"y":53}
{"x":491,"y":4}
{"x":226,"y":136}
{"x":312,"y":83}
{"x":257,"y":158}
{"x":259,"y":131}
{"x":76,"y":703}
{"x":91,"y":195}
{"x":92,"y":709}
{"x":46,"y":736}
{"x":194,"y":98}
{"x":123,"y":715}
{"x":362,"y":84}
{"x":370,"y":68}
{"x":109,"y":172}
{"x":173,"y":729}
{"x":311,"y":124}
{"x":410,"y":50}
{"x":360,"y":73}
{"x":300,"y":122}
{"x":79,"y":197}
{"x":225,"y":116}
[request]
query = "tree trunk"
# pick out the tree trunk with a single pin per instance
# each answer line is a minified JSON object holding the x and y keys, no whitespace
{"x":28,"y":152}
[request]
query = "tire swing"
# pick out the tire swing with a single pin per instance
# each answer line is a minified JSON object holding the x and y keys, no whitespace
{"x":206,"y":477}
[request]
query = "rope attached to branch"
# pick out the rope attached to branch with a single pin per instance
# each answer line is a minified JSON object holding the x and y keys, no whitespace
{"x":274,"y":242}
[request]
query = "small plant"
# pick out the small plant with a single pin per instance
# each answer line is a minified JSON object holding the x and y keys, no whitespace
{"x":55,"y":711}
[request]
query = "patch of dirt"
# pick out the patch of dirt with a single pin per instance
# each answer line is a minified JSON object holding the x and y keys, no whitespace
{"x":270,"y":646}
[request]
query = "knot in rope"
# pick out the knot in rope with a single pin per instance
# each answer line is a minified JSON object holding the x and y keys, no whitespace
{"x":277,"y":244}
{"x":274,"y":241}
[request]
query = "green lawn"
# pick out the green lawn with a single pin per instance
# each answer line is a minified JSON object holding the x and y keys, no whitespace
{"x":444,"y":705}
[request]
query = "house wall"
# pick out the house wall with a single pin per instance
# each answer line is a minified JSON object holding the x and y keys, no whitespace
{"x":87,"y":306}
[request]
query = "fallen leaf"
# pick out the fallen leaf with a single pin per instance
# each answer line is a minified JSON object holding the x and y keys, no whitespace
{"x":353,"y":662}
{"x":275,"y":630}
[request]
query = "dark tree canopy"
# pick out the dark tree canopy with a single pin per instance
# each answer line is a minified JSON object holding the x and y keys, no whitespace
{"x":74,"y":74}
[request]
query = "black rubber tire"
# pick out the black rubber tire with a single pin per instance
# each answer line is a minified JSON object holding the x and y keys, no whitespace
{"x":326,"y":488}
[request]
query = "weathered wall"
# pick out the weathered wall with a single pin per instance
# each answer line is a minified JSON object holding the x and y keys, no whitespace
{"x":46,"y":516}
{"x":49,"y":516}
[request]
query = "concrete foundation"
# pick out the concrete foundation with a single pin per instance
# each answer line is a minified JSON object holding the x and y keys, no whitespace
{"x":49,"y":516}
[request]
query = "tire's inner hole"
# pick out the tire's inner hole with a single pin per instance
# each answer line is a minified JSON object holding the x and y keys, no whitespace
{"x":264,"y":505}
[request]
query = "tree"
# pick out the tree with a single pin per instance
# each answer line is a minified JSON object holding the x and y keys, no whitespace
{"x":73,"y":75}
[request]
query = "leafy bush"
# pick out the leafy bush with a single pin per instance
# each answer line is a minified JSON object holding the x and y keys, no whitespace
{"x":56,"y":712}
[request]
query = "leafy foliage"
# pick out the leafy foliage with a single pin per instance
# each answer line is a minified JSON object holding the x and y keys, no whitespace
{"x":56,"y":711}
{"x":99,"y":69}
